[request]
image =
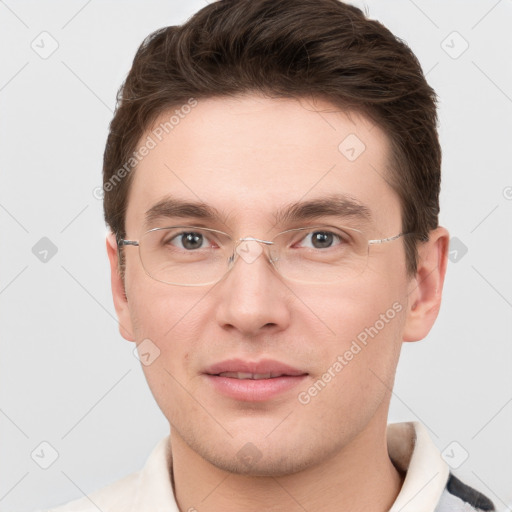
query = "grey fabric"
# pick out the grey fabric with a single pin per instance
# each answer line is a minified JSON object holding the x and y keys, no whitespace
{"x":459,"y":497}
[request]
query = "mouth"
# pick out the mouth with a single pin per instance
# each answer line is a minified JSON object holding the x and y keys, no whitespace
{"x":253,"y":381}
{"x":252,"y":376}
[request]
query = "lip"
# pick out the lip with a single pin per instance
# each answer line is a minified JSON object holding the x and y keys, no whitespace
{"x":262,"y":366}
{"x":253,"y":390}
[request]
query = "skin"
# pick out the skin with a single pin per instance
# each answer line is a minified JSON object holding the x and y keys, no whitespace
{"x":248,"y":156}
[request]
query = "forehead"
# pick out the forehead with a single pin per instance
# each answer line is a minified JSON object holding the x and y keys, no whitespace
{"x":249,"y":155}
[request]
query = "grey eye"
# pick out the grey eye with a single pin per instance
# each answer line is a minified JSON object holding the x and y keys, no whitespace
{"x":188,"y":240}
{"x":321,"y":239}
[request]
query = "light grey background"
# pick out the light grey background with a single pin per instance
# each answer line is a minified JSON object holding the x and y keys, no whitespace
{"x":66,"y":375}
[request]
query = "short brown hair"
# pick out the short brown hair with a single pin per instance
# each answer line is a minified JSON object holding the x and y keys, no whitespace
{"x":289,"y":49}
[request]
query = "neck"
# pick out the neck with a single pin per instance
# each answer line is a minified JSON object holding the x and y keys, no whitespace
{"x":359,"y":477}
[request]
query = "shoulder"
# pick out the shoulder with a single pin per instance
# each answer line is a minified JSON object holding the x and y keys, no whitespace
{"x":113,"y":497}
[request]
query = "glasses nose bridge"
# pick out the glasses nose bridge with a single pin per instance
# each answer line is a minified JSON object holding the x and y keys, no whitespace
{"x":252,"y":239}
{"x":264,"y":243}
{"x":236,"y":243}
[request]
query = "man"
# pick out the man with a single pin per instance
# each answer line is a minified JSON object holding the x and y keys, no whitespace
{"x":271,"y":182}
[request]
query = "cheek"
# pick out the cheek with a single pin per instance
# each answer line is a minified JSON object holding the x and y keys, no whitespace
{"x":169,"y":329}
{"x":364,"y":325}
{"x":160,"y":310}
{"x":348,"y":309}
{"x":169,"y":323}
{"x":357,"y":363}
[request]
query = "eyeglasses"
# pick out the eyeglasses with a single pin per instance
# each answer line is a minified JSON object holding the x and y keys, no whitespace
{"x":197,"y":256}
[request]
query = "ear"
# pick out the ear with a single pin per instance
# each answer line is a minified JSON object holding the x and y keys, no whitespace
{"x":426,"y":287}
{"x":118,"y":290}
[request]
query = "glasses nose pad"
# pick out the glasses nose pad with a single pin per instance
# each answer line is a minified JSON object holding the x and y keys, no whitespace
{"x":273,"y":253}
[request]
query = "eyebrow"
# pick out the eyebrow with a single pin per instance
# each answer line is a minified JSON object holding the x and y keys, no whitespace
{"x":334,"y":205}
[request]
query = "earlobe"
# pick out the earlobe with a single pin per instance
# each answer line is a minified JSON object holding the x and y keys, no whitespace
{"x":426,"y":288}
{"x":118,"y":290}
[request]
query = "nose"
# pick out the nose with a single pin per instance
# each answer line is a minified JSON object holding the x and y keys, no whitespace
{"x":252,"y":298}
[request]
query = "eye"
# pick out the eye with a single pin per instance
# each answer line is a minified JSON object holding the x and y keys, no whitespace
{"x":321,"y":239}
{"x":189,"y":240}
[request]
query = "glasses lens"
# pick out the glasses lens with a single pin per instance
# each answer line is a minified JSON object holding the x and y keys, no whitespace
{"x":185,"y":255}
{"x":320,"y":254}
{"x":193,"y":256}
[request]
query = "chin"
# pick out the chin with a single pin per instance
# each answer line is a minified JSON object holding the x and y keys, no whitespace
{"x":250,"y":461}
{"x":257,"y":454}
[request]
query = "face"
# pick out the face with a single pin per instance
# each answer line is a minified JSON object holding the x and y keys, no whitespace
{"x":250,"y":157}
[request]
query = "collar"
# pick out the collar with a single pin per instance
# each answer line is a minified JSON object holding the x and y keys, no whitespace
{"x":411,"y":449}
{"x":409,"y":446}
